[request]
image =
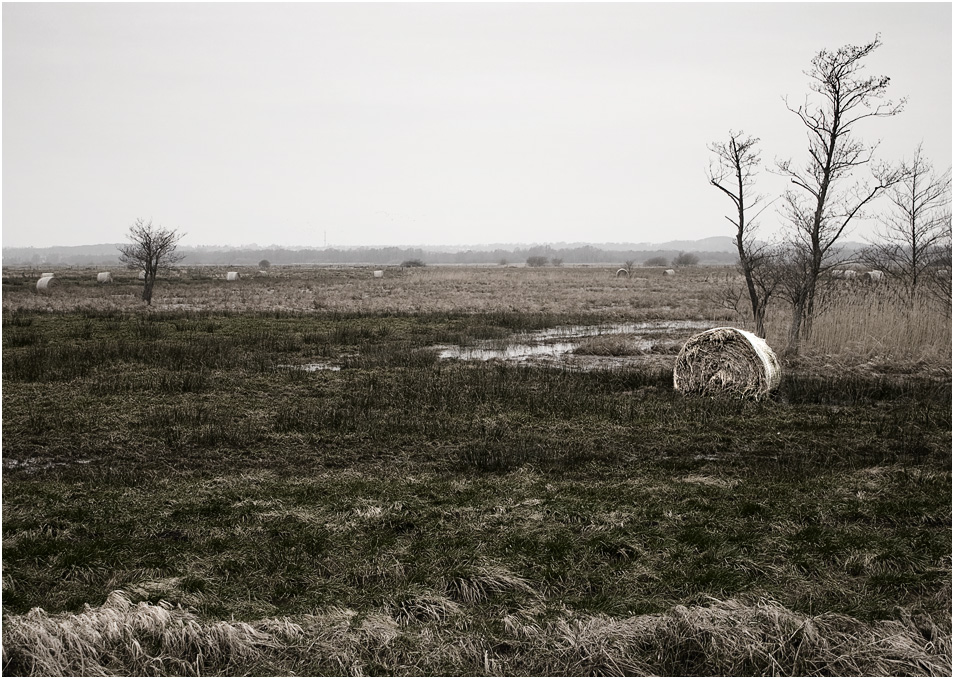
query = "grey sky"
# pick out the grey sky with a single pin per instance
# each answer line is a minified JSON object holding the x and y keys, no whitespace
{"x":390,"y":124}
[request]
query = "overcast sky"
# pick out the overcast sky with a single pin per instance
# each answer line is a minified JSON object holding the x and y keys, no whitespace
{"x":440,"y":124}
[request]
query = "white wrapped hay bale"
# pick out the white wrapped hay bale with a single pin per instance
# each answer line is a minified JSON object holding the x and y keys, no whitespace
{"x":232,"y":276}
{"x":142,"y":275}
{"x":379,"y":274}
{"x":727,"y":361}
{"x":622,"y":273}
{"x":43,"y":284}
{"x":46,"y":275}
{"x":669,"y":272}
{"x":104,"y":277}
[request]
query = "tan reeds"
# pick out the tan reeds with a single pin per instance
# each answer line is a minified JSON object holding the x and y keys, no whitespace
{"x":726,"y":361}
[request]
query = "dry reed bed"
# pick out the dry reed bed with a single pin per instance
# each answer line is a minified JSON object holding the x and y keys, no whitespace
{"x":724,"y":638}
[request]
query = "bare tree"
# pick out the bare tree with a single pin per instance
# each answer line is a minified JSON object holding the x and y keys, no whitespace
{"x":820,"y":207}
{"x":733,"y":172}
{"x":913,"y":232}
{"x":151,"y":248}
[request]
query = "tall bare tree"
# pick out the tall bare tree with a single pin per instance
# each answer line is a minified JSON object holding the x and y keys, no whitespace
{"x":150,"y":249}
{"x":733,"y":172}
{"x":823,"y":201}
{"x":912,"y":232}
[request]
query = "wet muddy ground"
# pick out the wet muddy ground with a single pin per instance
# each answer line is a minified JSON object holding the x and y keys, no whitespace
{"x":653,"y":343}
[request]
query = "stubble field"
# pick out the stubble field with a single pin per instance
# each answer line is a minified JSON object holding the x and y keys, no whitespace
{"x":465,"y":471}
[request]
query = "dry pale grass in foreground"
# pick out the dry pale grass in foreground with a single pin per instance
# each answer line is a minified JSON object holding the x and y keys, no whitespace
{"x":725,"y":638}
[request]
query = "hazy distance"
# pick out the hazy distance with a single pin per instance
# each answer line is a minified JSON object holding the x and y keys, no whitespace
{"x":426,"y":124}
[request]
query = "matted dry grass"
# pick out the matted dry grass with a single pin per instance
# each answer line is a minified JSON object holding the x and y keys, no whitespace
{"x":724,"y":638}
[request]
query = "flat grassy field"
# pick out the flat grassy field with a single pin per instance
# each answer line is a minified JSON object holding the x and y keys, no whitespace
{"x":304,"y":473}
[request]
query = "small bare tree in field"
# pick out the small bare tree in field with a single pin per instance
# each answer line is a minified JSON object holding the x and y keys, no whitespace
{"x":914,"y":231}
{"x":822,"y":205}
{"x":733,"y":173}
{"x":151,"y":248}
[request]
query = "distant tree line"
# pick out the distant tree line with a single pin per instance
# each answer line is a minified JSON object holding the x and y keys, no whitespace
{"x":387,"y":256}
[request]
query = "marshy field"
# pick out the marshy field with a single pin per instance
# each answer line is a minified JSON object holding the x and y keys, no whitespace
{"x":465,"y":471}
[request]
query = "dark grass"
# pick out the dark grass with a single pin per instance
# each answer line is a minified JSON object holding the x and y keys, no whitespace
{"x":170,"y":455}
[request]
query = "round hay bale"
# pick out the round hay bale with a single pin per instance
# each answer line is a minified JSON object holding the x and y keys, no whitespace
{"x":875,"y":276}
{"x":669,"y":272}
{"x":726,"y":361}
{"x":43,"y":284}
{"x":622,"y":273}
{"x":232,"y":276}
{"x":104,"y":277}
{"x":142,"y":275}
{"x":46,"y":275}
{"x":379,"y":274}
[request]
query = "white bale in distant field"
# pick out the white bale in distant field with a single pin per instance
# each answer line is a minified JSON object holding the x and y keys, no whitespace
{"x":104,"y":277}
{"x":46,"y":275}
{"x":142,"y":275}
{"x":622,"y":273}
{"x":44,"y":283}
{"x":232,"y":276}
{"x":875,"y":276}
{"x":379,"y":274}
{"x":669,"y":272}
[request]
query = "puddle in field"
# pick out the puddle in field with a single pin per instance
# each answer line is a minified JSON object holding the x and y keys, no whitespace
{"x":651,"y":342}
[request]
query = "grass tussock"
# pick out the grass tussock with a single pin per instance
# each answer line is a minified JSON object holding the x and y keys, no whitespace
{"x":725,"y":638}
{"x":122,"y":638}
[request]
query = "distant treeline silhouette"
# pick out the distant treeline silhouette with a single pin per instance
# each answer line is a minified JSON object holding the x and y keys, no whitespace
{"x":386,"y":256}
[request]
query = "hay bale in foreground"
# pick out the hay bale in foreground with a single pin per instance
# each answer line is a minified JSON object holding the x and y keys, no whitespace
{"x":232,"y":276}
{"x":104,"y":277}
{"x":726,"y":361}
{"x":43,"y":284}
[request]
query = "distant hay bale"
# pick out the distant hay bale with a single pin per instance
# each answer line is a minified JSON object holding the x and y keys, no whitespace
{"x":232,"y":276}
{"x":726,"y":361}
{"x":875,"y":276}
{"x":43,"y":284}
{"x":379,"y":274}
{"x":669,"y":272}
{"x":622,"y":273}
{"x":104,"y":277}
{"x":46,"y":275}
{"x":142,"y":275}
